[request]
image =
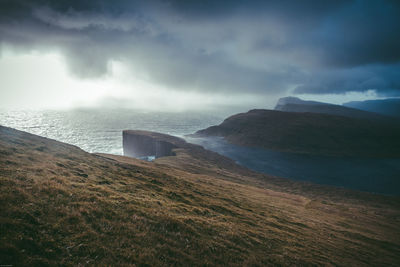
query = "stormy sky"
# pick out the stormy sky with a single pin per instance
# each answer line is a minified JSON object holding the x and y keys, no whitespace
{"x":184,"y":54}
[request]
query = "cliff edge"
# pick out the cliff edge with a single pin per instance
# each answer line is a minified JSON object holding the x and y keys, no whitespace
{"x":139,"y":144}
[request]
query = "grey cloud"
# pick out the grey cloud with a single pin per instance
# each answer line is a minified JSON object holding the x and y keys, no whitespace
{"x":262,"y":47}
{"x":385,"y":80}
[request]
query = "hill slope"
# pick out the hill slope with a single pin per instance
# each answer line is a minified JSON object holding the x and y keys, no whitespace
{"x":310,"y":133}
{"x":294,"y":104}
{"x":389,"y":107}
{"x":63,"y":206}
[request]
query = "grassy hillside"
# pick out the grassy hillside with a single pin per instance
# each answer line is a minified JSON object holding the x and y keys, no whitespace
{"x":63,"y":206}
{"x":311,"y":133}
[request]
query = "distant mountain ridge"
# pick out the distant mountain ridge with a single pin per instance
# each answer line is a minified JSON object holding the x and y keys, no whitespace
{"x":294,"y":104}
{"x":297,"y":101}
{"x":389,"y":107}
{"x":310,"y":133}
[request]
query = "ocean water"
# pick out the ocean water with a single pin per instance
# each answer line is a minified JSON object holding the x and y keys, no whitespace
{"x":97,"y":130}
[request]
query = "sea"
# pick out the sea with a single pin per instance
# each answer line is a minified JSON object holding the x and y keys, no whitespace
{"x":100,"y":130}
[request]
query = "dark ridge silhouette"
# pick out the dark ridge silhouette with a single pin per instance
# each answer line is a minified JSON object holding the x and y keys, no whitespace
{"x":389,"y":107}
{"x":310,"y":133}
{"x":294,"y":104}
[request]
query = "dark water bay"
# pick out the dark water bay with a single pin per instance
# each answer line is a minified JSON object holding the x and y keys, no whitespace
{"x":364,"y":174}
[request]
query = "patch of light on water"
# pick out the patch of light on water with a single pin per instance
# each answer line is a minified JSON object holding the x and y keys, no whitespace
{"x":98,"y":130}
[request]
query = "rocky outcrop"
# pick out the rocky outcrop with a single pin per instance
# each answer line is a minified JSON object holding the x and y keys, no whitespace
{"x":152,"y":145}
{"x":140,"y":144}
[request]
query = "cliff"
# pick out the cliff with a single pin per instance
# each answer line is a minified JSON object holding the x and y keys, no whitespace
{"x":145,"y":144}
{"x":139,"y":144}
{"x":310,"y":133}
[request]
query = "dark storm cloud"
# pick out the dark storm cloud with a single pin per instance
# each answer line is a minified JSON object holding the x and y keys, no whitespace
{"x":237,"y":46}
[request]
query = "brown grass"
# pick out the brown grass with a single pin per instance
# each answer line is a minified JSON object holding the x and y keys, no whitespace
{"x":63,"y":206}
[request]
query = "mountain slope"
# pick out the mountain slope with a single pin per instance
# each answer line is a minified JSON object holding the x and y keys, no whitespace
{"x":63,"y":206}
{"x":389,"y":107}
{"x":310,"y":133}
{"x":294,"y":104}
